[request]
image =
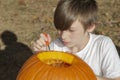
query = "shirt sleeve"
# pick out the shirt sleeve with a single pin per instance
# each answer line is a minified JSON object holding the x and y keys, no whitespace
{"x":111,"y":60}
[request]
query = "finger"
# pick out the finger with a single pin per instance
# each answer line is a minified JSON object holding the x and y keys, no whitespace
{"x":46,"y":37}
{"x":36,"y":49}
{"x":43,"y":43}
{"x":35,"y":46}
{"x":49,"y":38}
{"x":43,"y":36}
{"x":46,"y":41}
{"x":39,"y":43}
{"x":44,"y":48}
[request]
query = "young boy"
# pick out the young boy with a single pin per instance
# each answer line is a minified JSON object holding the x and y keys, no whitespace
{"x":75,"y":20}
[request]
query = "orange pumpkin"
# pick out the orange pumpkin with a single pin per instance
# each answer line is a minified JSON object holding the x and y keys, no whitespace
{"x":53,"y":65}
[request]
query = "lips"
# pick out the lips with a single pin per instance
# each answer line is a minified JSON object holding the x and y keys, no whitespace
{"x":65,"y":43}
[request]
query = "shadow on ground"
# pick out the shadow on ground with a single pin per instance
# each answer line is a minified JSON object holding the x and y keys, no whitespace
{"x":13,"y":56}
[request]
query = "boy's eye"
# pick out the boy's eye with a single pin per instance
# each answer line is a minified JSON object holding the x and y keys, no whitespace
{"x":71,"y":30}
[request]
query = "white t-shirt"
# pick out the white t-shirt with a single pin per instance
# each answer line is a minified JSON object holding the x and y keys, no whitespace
{"x":100,"y":54}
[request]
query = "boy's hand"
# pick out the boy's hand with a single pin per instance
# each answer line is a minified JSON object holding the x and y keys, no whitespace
{"x":42,"y":43}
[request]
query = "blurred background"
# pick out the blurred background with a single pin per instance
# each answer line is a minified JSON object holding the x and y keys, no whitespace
{"x":26,"y":19}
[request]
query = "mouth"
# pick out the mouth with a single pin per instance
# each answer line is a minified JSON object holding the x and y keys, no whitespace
{"x":65,"y":43}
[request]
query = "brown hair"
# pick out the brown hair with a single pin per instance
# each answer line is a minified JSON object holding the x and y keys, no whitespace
{"x":68,"y":11}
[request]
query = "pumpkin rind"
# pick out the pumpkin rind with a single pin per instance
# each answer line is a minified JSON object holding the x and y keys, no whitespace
{"x":36,"y":69}
{"x":56,"y":56}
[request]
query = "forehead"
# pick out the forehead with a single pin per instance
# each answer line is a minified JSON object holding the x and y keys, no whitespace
{"x":76,"y":24}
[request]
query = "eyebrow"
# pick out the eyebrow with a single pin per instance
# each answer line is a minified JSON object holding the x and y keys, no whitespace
{"x":73,"y":27}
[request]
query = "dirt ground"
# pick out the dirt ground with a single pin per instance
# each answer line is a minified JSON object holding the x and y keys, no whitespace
{"x":23,"y":20}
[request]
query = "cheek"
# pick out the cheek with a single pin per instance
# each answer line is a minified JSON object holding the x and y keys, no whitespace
{"x":74,"y":36}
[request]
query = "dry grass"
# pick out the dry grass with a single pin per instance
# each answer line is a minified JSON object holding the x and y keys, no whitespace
{"x":28,"y":18}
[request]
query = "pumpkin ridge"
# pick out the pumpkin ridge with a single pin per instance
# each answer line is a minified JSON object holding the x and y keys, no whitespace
{"x":23,"y":71}
{"x":83,"y":69}
{"x":83,"y":77}
{"x":31,"y":70}
{"x":75,"y":72}
{"x":30,"y":61}
{"x":55,"y":74}
{"x":28,"y":66}
{"x":88,"y":69}
{"x":44,"y":70}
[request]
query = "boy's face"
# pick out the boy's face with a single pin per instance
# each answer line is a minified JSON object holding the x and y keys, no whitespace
{"x":75,"y":36}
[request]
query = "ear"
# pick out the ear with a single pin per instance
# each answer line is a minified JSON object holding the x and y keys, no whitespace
{"x":91,"y":28}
